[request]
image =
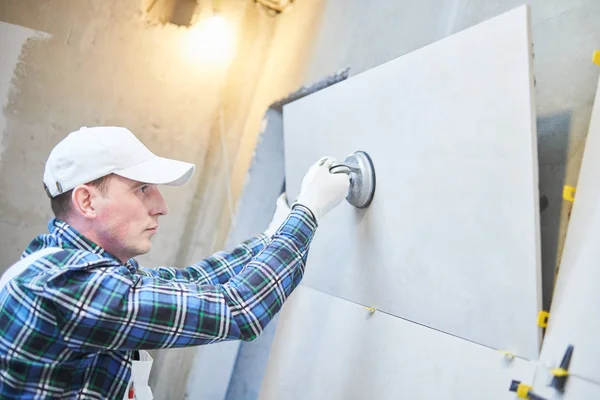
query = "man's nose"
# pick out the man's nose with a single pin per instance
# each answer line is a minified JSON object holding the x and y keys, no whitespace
{"x":159,"y":206}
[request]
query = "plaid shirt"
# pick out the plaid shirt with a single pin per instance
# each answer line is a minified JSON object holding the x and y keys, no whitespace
{"x":69,"y":322}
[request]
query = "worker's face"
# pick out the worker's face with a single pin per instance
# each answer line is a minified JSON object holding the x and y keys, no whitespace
{"x":127,"y":217}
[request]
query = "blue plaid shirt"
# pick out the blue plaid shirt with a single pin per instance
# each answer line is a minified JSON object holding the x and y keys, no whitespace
{"x":70,"y":321}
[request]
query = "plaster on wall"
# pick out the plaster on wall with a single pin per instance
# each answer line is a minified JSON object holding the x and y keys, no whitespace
{"x":12,"y":41}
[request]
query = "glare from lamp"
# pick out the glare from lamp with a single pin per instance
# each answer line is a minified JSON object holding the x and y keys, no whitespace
{"x":210,"y":40}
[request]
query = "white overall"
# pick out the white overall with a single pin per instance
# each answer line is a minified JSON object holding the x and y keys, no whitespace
{"x":140,"y":370}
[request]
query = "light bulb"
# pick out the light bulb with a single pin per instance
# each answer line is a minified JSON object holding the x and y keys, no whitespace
{"x":210,"y":40}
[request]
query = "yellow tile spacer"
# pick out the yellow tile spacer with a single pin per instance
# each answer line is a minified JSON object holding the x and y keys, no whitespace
{"x":523,"y":391}
{"x":596,"y":57}
{"x":559,"y":372}
{"x":542,"y":318}
{"x":569,"y":193}
{"x":371,"y":310}
{"x":508,"y":355}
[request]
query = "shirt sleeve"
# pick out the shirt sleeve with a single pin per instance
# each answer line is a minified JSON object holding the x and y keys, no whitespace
{"x":107,"y":308}
{"x":216,"y":269}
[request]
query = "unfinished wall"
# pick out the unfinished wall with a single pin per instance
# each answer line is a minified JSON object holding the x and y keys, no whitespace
{"x":105,"y":63}
{"x":290,"y":41}
{"x":284,"y":70}
{"x":12,"y":40}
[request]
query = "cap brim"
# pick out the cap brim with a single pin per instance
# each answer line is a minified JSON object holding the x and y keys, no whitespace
{"x":159,"y":171}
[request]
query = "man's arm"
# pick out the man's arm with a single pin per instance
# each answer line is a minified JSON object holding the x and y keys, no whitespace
{"x":216,"y":269}
{"x":107,"y":308}
{"x":222,"y":266}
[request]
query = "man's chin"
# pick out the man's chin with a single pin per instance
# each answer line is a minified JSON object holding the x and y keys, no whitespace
{"x":147,"y":248}
{"x":144,"y":248}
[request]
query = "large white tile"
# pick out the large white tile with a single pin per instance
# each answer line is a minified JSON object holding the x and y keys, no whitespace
{"x":575,"y":311}
{"x":328,"y":348}
{"x":451,"y":239}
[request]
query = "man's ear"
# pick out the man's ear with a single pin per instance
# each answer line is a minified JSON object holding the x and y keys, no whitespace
{"x":82,"y":200}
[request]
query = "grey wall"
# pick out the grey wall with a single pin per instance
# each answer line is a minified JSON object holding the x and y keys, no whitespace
{"x":361,"y":35}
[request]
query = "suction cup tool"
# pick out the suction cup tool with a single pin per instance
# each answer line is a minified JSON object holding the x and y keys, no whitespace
{"x":359,"y":167}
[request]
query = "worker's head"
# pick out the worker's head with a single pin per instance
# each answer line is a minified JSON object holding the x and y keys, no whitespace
{"x":104,"y":182}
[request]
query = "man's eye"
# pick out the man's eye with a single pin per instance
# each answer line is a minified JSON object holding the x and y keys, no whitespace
{"x":143,"y":189}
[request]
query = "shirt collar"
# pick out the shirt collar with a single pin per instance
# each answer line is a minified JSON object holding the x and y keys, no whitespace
{"x":69,"y":237}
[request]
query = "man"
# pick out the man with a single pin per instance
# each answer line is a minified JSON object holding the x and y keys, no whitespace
{"x":71,"y":320}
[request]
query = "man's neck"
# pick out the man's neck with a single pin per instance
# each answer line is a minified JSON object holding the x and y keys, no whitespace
{"x":86,"y":230}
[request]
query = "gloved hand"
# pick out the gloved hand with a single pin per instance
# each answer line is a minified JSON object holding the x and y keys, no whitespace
{"x":282,"y":210}
{"x":321,"y":190}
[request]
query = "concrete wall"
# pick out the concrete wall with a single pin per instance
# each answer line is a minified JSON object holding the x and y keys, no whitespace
{"x":103,"y":65}
{"x":12,"y":40}
{"x":104,"y":62}
{"x":283,"y":70}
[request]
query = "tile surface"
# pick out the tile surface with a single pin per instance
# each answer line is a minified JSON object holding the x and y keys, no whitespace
{"x":451,"y":240}
{"x":328,"y":348}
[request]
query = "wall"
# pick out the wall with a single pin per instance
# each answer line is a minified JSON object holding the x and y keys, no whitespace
{"x":283,"y":72}
{"x":362,"y":35}
{"x":104,"y":64}
{"x":284,"y":66}
{"x":12,"y":39}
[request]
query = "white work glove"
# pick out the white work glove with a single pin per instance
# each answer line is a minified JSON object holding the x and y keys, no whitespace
{"x":282,"y":210}
{"x":321,"y":190}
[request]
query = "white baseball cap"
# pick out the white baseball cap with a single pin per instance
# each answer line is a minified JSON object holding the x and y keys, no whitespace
{"x":91,"y":153}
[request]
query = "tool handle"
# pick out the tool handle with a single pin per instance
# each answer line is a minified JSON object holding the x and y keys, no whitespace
{"x":342,"y":168}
